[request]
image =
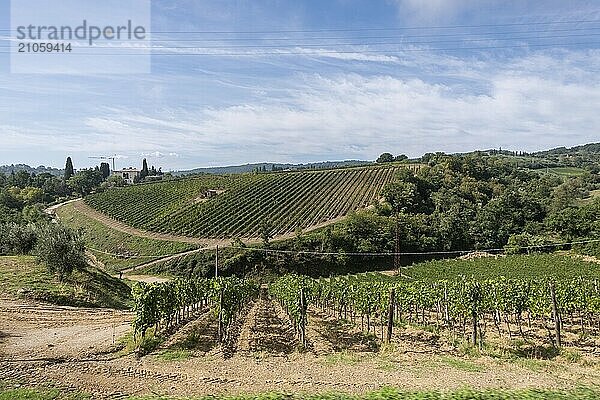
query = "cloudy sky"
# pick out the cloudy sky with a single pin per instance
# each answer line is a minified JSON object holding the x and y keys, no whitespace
{"x":298,"y":81}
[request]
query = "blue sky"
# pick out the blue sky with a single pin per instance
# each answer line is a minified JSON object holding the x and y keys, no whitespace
{"x":301,"y":81}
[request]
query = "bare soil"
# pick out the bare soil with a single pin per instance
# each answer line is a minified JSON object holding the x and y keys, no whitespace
{"x":71,"y":347}
{"x":34,"y":331}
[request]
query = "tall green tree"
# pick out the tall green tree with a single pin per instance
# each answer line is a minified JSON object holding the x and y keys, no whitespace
{"x":69,"y":172}
{"x":385,"y":158}
{"x":105,"y":170}
{"x":144,"y":173}
{"x":85,"y":181}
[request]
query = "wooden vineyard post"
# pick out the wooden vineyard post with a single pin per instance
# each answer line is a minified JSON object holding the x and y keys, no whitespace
{"x":217,"y":261}
{"x":302,"y":318}
{"x":474,"y":336}
{"x":390,"y":322}
{"x":555,"y":315}
{"x":446,"y":314}
{"x":220,"y":329}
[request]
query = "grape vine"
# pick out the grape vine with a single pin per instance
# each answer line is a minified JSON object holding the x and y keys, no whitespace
{"x":163,"y":305}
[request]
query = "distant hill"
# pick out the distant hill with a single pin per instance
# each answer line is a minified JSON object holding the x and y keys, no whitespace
{"x":240,"y":169}
{"x":7,"y":169}
{"x":586,"y":148}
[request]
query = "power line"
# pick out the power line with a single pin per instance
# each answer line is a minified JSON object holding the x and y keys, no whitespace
{"x":317,"y":53}
{"x":373,"y":36}
{"x":466,"y":34}
{"x":363,"y":43}
{"x":390,"y":254}
{"x":358,"y":254}
{"x":367,"y":29}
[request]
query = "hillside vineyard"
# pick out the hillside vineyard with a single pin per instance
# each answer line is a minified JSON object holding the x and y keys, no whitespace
{"x":244,"y":203}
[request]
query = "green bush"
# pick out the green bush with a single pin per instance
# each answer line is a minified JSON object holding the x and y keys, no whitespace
{"x":61,"y":249}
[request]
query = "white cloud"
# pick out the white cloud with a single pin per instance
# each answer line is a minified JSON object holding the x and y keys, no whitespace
{"x":435,"y":10}
{"x":158,"y":154}
{"x":539,"y":101}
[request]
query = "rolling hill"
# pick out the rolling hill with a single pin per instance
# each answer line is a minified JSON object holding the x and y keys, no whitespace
{"x":229,"y":206}
{"x":265,"y":166}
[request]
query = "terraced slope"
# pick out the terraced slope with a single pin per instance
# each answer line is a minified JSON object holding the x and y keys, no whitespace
{"x":285,"y":201}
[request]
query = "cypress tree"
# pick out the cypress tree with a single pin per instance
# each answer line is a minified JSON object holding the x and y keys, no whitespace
{"x":144,"y":172}
{"x":105,"y":169}
{"x":69,"y":172}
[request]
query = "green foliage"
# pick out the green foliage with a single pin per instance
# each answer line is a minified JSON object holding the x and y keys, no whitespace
{"x":144,"y":172}
{"x":287,"y":291}
{"x":60,"y":248}
{"x":105,"y":170}
{"x":516,"y":266}
{"x":368,"y":296}
{"x":17,"y":239}
{"x":85,"y":181}
{"x":166,"y":303}
{"x":385,"y":158}
{"x":527,"y":243}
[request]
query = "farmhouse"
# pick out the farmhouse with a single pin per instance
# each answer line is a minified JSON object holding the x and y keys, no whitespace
{"x":210,"y":193}
{"x":128,"y":174}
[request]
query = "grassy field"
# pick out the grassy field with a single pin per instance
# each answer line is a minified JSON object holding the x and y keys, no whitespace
{"x":567,"y":171}
{"x":22,"y":277}
{"x":98,"y":236}
{"x":517,"y":266}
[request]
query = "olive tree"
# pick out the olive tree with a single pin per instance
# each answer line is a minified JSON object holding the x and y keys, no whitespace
{"x":61,"y":249}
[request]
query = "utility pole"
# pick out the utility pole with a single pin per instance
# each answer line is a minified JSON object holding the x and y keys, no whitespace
{"x":217,"y":262}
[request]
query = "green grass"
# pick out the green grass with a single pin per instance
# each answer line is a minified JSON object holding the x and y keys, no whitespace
{"x":516,"y":266}
{"x":16,"y":391}
{"x":395,"y":394}
{"x":22,"y":277}
{"x":342,"y":357}
{"x":174,"y":355}
{"x":567,"y":171}
{"x":100,"y":237}
{"x":462,"y":365}
{"x":9,"y":392}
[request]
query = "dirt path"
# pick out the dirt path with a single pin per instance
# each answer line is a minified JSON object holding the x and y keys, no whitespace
{"x":52,"y":209}
{"x":36,"y":331}
{"x":162,"y":260}
{"x":266,"y":329}
{"x":80,"y":206}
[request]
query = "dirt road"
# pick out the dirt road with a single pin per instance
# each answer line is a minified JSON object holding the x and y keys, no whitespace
{"x":34,"y":331}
